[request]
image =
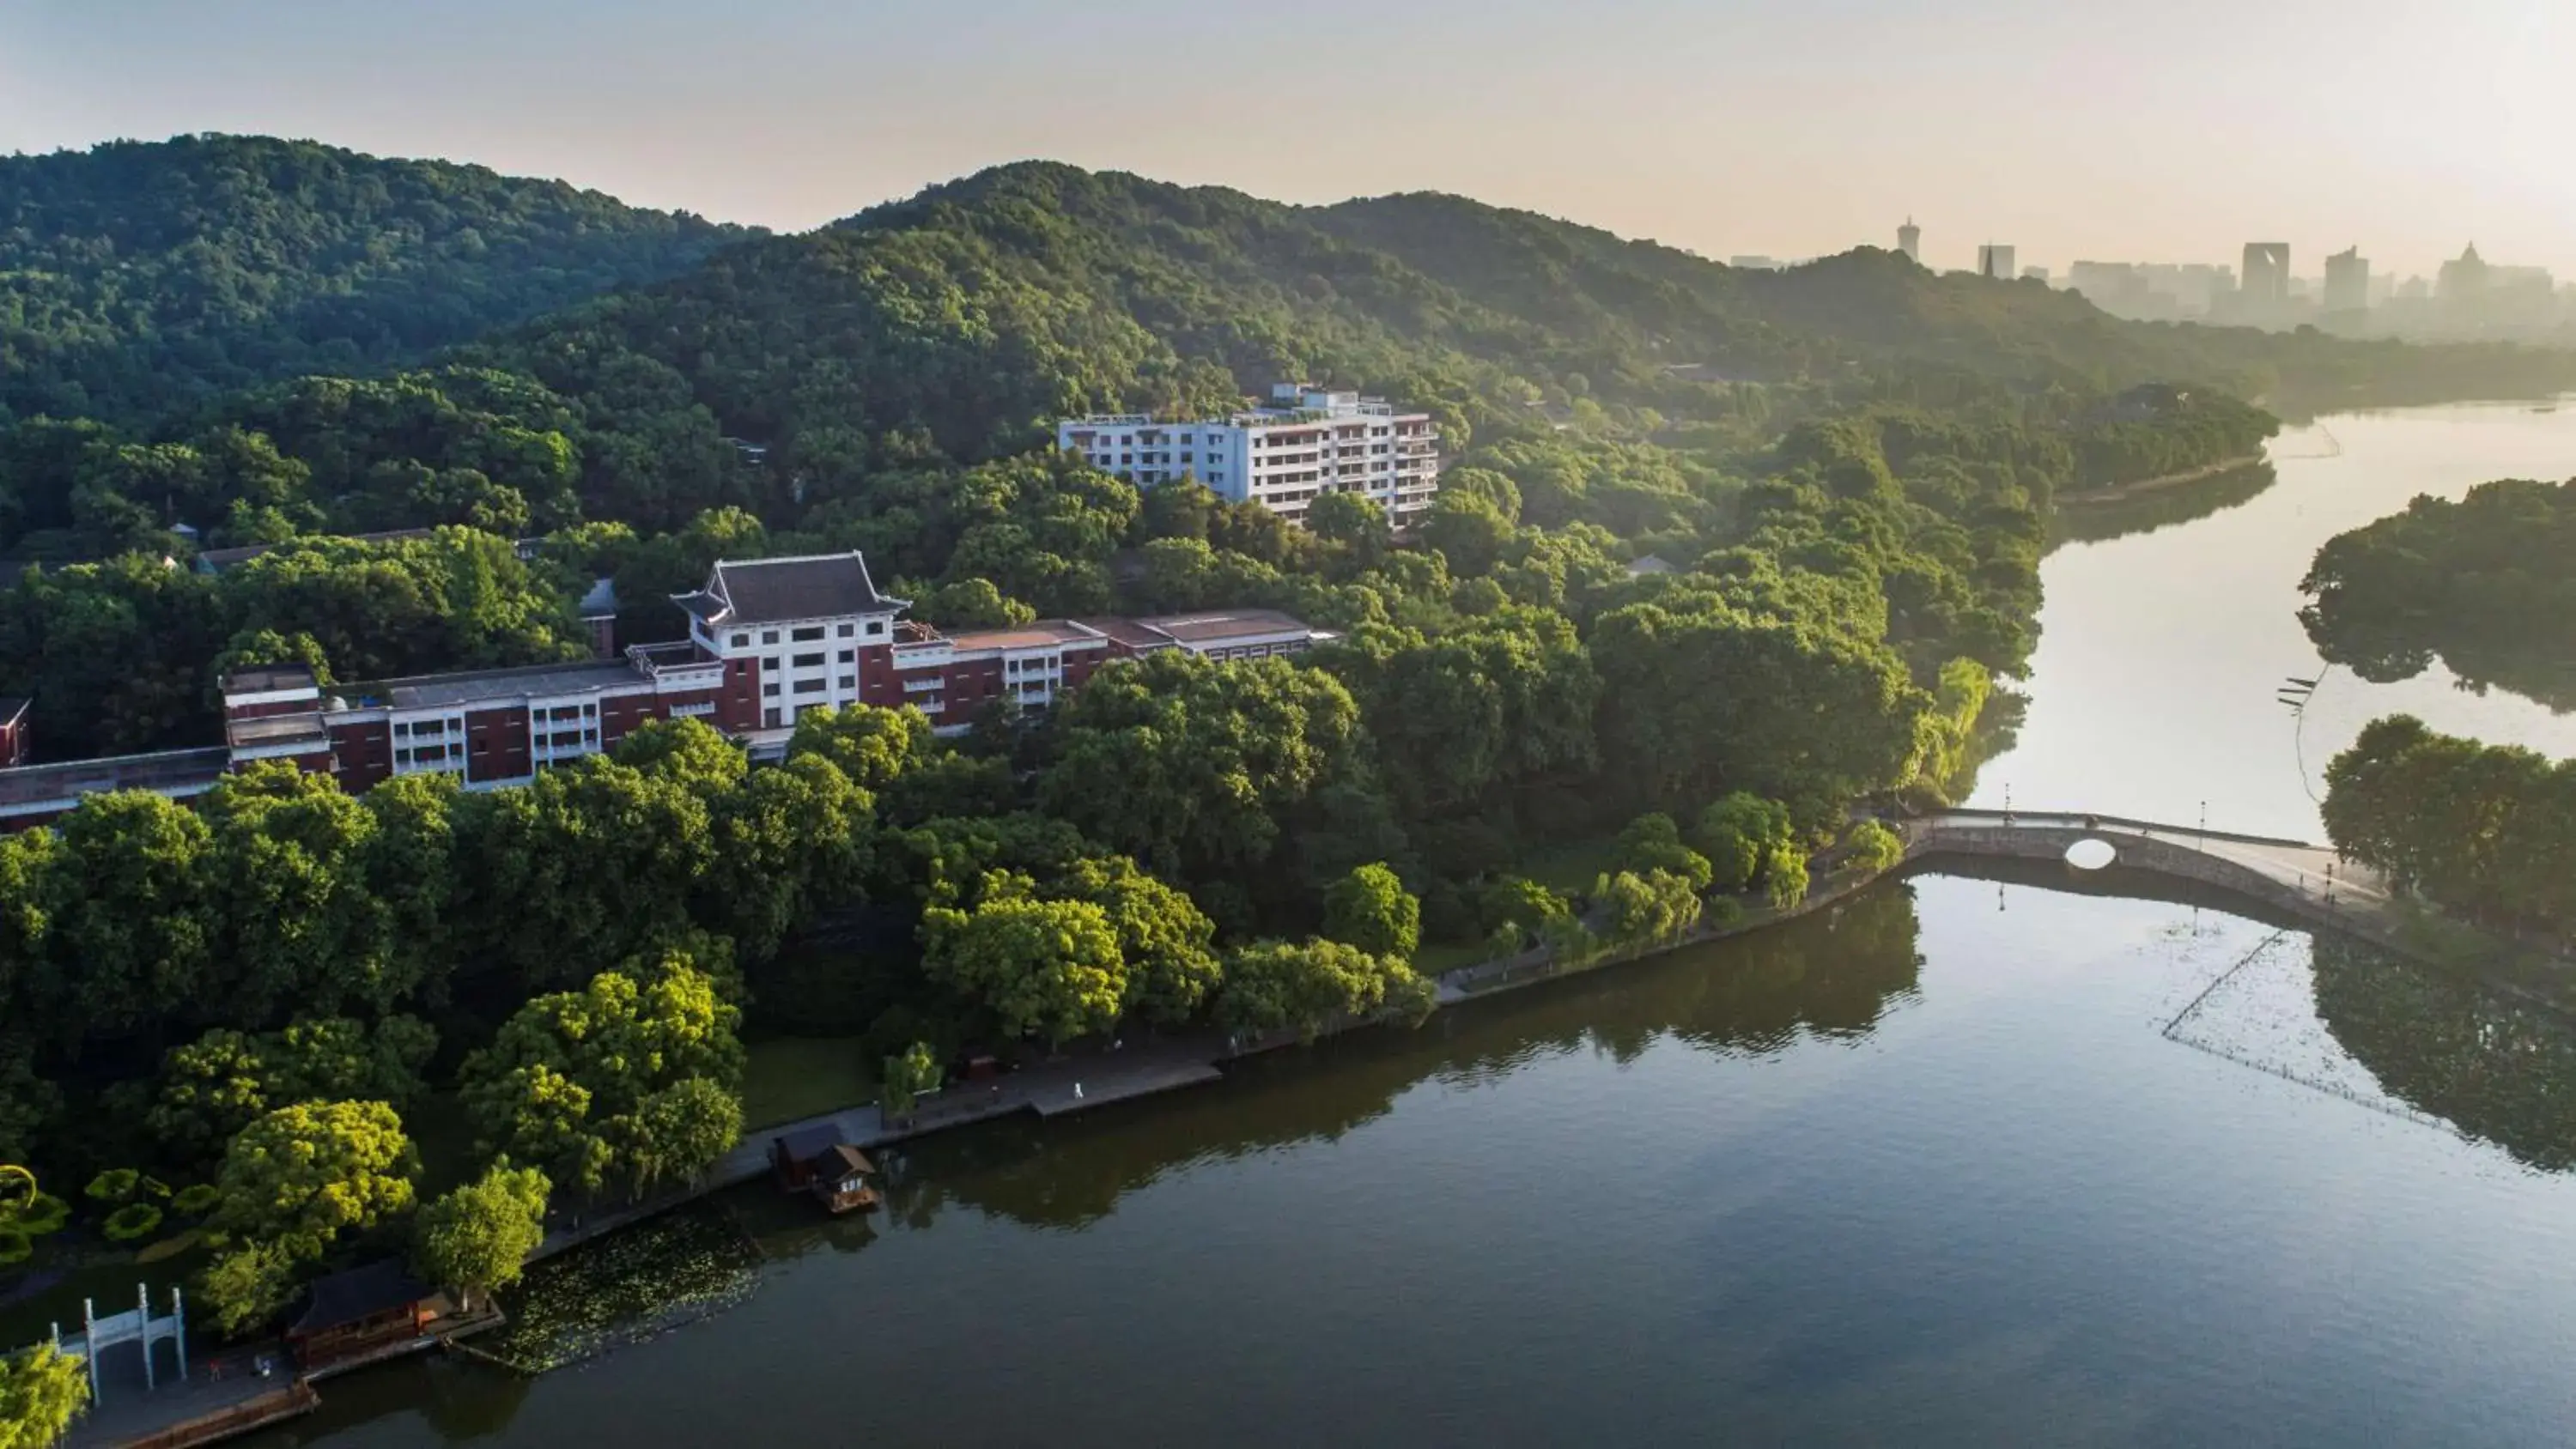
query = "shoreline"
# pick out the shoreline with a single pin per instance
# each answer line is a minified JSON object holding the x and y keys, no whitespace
{"x":1155,"y":1066}
{"x":2118,"y":491}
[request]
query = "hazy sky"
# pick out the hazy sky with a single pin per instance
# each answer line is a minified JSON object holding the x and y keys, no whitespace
{"x":2168,"y":130}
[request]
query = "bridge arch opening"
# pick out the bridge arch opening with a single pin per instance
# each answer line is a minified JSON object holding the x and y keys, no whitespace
{"x":2091,"y":854}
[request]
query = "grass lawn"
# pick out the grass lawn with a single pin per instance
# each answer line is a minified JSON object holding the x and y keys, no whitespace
{"x":788,"y":1077}
{"x":1432,"y":960}
{"x":1572,"y":866}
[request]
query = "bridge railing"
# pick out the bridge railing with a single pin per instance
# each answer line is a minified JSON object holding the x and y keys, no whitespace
{"x":2078,"y":820}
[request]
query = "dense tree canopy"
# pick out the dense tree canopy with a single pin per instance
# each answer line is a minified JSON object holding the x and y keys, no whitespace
{"x":2487,"y":583}
{"x":135,"y":277}
{"x":2488,"y":831}
{"x":589,"y":1085}
{"x":479,"y":1236}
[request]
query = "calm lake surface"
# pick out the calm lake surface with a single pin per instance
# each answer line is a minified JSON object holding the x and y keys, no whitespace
{"x":1970,"y":1161}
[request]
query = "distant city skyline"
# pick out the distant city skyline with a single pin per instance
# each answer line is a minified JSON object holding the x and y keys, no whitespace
{"x":2075,"y":129}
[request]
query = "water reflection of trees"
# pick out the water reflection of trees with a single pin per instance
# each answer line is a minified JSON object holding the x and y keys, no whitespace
{"x":2497,"y":1070}
{"x":1827,"y":978}
{"x":2101,"y":520}
{"x":2531,"y":663}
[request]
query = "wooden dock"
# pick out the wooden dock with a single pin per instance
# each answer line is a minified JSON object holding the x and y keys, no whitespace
{"x":206,"y":1409}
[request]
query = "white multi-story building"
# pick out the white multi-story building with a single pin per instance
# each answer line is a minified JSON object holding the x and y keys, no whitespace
{"x":1306,"y":444}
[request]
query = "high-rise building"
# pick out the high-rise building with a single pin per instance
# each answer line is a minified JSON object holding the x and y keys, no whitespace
{"x":2466,"y":279}
{"x":2035,"y":274}
{"x":1909,"y":240}
{"x":2347,"y":281}
{"x":1996,"y":262}
{"x":1306,"y":443}
{"x":2267,"y":274}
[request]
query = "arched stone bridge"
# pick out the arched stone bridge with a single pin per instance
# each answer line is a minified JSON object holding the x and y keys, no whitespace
{"x":2309,"y":880}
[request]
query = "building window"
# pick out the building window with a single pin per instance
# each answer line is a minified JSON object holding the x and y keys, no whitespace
{"x":769,"y":691}
{"x":809,"y":632}
{"x":741,"y":641}
{"x":809,"y":661}
{"x":849,"y":656}
{"x":809,"y":686}
{"x":876,"y":628}
{"x":769,"y":718}
{"x":848,"y":629}
{"x":770,"y":665}
{"x":768,"y":636}
{"x":849,"y":681}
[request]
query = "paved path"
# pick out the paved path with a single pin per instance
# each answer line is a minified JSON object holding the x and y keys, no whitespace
{"x":1056,"y":1088}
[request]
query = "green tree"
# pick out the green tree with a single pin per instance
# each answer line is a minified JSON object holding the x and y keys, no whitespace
{"x":215,"y":1086}
{"x":41,"y":1392}
{"x":1871,"y":846}
{"x":1355,"y":528}
{"x":674,"y":1133}
{"x":908,"y":1078}
{"x":1275,"y":984}
{"x":1653,"y":842}
{"x":477,"y":1238}
{"x":873,"y":747}
{"x":1197,"y":770}
{"x":246,"y":1286}
{"x":304,"y":1174}
{"x":132,"y":904}
{"x":1166,"y":941}
{"x":1050,"y":966}
{"x":1644,"y":909}
{"x":563,"y":1084}
{"x":1370,"y":909}
{"x":1741,"y":836}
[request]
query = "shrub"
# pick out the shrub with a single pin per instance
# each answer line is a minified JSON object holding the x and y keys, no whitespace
{"x":15,"y":1247}
{"x":133,"y":1222}
{"x":114,"y":1185}
{"x":44,"y":1213}
{"x":197,"y":1201}
{"x":1873,"y":846}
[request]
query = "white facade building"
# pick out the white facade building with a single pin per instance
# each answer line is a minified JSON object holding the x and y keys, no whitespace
{"x":1307,"y":443}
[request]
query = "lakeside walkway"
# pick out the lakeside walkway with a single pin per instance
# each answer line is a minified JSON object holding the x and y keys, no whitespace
{"x":1056,"y":1088}
{"x":2309,"y":881}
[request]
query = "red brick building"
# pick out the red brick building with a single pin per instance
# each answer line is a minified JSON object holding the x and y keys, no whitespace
{"x":767,"y":639}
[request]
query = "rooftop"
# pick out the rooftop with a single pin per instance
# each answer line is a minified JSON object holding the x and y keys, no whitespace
{"x":358,"y":1293}
{"x":171,"y":771}
{"x":1211,"y":628}
{"x":276,"y":729}
{"x":268,"y":678}
{"x":1037,"y":635}
{"x":1127,"y":632}
{"x":776,"y":590}
{"x":431,"y":691}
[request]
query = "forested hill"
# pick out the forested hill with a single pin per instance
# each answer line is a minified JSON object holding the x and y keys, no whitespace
{"x":1875,"y":306}
{"x":951,"y":328}
{"x":139,"y":277}
{"x":967,"y":315}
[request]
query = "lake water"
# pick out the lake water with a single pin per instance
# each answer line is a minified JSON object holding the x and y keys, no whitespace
{"x":1969,"y":1161}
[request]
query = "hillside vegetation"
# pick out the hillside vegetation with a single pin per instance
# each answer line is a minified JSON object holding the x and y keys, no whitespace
{"x":137,"y":278}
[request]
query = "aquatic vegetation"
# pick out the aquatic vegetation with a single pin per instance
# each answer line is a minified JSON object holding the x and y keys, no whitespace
{"x":632,"y":1285}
